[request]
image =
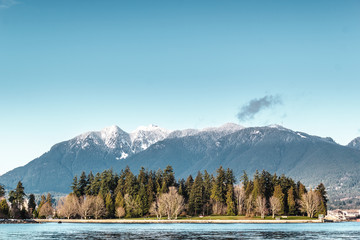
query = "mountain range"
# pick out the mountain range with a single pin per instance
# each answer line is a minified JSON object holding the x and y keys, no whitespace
{"x":310,"y":159}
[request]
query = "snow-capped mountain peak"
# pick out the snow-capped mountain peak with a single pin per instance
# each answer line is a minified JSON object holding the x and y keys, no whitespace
{"x":144,"y":136}
{"x":114,"y":137}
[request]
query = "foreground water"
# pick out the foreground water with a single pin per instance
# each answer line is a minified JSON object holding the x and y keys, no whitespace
{"x":346,"y":230}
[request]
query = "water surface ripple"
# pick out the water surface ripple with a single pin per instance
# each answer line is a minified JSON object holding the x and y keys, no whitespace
{"x":348,"y":230}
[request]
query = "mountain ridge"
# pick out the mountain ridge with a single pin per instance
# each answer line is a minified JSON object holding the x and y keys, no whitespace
{"x":305,"y":157}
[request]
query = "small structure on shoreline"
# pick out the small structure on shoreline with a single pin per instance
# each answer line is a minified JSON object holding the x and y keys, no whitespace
{"x":343,"y":215}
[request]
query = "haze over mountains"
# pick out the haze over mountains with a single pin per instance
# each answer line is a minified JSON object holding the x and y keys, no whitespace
{"x":310,"y":159}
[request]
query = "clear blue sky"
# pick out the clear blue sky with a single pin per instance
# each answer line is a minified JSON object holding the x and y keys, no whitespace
{"x":68,"y":67}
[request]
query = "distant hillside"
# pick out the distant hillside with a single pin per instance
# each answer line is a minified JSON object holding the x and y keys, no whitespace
{"x":310,"y":159}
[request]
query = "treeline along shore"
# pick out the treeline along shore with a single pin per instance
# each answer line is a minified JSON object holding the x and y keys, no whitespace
{"x":157,"y":195}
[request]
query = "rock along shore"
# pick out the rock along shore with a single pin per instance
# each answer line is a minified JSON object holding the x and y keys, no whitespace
{"x":128,"y":221}
{"x":17,"y":221}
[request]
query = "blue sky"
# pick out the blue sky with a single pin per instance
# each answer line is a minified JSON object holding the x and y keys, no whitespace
{"x":68,"y":67}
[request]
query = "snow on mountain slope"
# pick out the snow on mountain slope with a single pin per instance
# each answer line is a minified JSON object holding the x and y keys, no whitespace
{"x":355,"y":143}
{"x":145,"y":136}
{"x":227,"y":128}
{"x":110,"y":137}
{"x":122,"y":144}
{"x":221,"y":131}
{"x":273,"y":148}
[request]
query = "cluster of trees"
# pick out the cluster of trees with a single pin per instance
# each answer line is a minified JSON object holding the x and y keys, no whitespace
{"x":270,"y":194}
{"x":18,"y":206}
{"x":157,"y":193}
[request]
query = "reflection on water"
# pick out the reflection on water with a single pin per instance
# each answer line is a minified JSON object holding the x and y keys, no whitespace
{"x":181,"y":231}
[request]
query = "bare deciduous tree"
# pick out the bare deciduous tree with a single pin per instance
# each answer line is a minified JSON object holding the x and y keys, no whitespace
{"x":120,"y":212}
{"x":261,"y":206}
{"x":240,"y":197}
{"x":68,"y":206}
{"x":87,"y":205}
{"x":46,"y":210}
{"x":172,"y":203}
{"x":156,"y":209}
{"x":99,"y":207}
{"x":275,"y":205}
{"x":310,"y":202}
{"x":249,"y":206}
{"x":218,"y":208}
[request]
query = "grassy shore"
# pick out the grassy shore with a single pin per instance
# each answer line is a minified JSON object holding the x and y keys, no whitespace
{"x":207,"y":219}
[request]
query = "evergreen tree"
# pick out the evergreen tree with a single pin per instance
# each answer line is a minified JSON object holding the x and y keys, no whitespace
{"x":266,"y":184}
{"x":218,"y":192}
{"x":244,"y":179}
{"x":158,"y":181}
{"x":256,"y":189}
{"x":109,"y":205}
{"x":275,"y":180}
{"x":82,"y":184}
{"x":31,"y":204}
{"x":150,"y":188}
{"x":2,"y":191}
{"x":16,"y":197}
{"x":90,"y":179}
{"x":168,"y":177}
{"x":207,"y":192}
{"x":291,"y":201}
{"x":279,"y":195}
{"x":120,"y":188}
{"x":143,"y":200}
{"x":107,"y":182}
{"x":181,"y":184}
{"x":94,"y":185}
{"x":196,"y":196}
{"x":142,"y":177}
{"x":130,"y":184}
{"x":286,"y":183}
{"x":229,"y":178}
{"x":4,"y":209}
{"x":188,"y":185}
{"x":75,"y":186}
{"x":249,"y":188}
{"x":163,"y":189}
{"x":230,"y":211}
{"x":301,"y":189}
{"x":119,"y":201}
{"x":323,"y":196}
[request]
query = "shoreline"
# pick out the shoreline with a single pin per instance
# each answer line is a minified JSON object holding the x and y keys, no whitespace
{"x":126,"y":221}
{"x":18,"y":221}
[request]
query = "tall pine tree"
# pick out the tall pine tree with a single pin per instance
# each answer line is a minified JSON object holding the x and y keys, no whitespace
{"x":196,"y":196}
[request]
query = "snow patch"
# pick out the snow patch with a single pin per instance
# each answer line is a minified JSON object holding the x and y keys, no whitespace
{"x":302,"y":136}
{"x":145,"y":136}
{"x":123,"y":156}
{"x":227,"y":127}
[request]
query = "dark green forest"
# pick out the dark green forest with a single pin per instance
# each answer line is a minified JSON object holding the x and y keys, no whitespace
{"x":158,"y":193}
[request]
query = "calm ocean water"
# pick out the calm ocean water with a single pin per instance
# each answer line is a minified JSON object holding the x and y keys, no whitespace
{"x":348,"y":230}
